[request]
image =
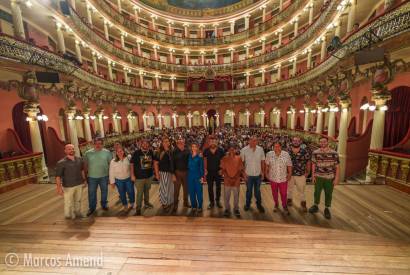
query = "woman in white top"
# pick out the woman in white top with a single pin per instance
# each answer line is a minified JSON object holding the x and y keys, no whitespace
{"x":120,"y":176}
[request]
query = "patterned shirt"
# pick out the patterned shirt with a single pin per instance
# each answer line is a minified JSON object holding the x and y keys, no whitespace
{"x":325,"y":163}
{"x":299,"y":161}
{"x":278,"y":166}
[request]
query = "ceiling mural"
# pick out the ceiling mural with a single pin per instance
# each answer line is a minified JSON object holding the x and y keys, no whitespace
{"x":203,"y":4}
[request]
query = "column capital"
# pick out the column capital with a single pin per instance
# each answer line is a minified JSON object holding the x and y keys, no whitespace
{"x":31,"y":109}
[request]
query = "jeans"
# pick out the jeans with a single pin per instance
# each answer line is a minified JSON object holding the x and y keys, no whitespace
{"x":211,"y":178}
{"x":93,"y":183}
{"x":253,"y":182}
{"x":195,"y":192}
{"x":125,"y":187}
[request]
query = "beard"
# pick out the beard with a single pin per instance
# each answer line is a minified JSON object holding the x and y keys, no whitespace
{"x":296,"y":145}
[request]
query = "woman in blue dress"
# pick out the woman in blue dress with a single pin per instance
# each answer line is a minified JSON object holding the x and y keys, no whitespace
{"x":195,"y":173}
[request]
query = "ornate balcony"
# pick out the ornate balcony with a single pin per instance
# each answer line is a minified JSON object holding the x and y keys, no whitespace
{"x":136,"y":28}
{"x":390,"y":168}
{"x":24,"y":168}
{"x":93,"y":38}
{"x":386,"y":27}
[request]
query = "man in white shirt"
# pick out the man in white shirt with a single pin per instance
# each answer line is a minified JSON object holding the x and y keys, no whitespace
{"x":253,"y":157}
{"x":278,"y":172}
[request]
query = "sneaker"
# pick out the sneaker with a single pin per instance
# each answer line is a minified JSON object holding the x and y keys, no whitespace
{"x":211,"y":205}
{"x":137,"y":212}
{"x":105,"y":208}
{"x":130,"y":207}
{"x":261,"y":209}
{"x":303,"y":205}
{"x":200,"y":210}
{"x":246,"y":208}
{"x":237,"y":213}
{"x":90,"y":212}
{"x":227,"y":213}
{"x":314,"y":209}
{"x":327,"y":214}
{"x":289,"y":202}
{"x":218,"y":204}
{"x":148,"y":205}
{"x":276,"y":208}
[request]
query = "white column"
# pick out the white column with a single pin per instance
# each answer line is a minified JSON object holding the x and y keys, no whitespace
{"x":89,"y":15}
{"x":159,"y":116}
{"x":293,"y":119}
{"x":78,"y":51}
{"x":169,"y":28}
{"x":279,"y":73}
{"x":263,"y":76}
{"x":279,"y":39}
{"x":186,"y":31}
{"x":115,"y":123}
{"x":309,"y":58}
{"x":232,"y":119}
{"x":136,"y":15}
{"x":319,"y":122}
{"x":280,"y":5}
{"x":60,"y":38}
{"x":122,"y":37}
{"x":172,"y":83}
{"x":311,"y":14}
{"x":307,"y":119}
{"x":247,"y":21}
{"x":201,"y":31}
{"x":232,"y":54}
{"x":126,"y":79}
{"x":110,"y":75}
{"x":263,"y":13}
{"x":337,"y":28}
{"x":189,"y":120}
{"x":186,"y":58}
{"x":153,"y":22}
{"x":18,"y":25}
{"x":174,"y":117}
{"x":106,"y":33}
{"x":87,"y":128}
{"x":202,"y":58}
{"x":139,"y":48}
{"x":277,"y":120}
{"x":101,"y":124}
{"x":130,"y":123}
{"x":323,"y":49}
{"x":294,"y":66}
{"x":247,"y":115}
{"x":331,"y":128}
{"x":295,"y":27}
{"x":365,"y":112}
{"x":35,"y":137}
{"x":94,"y":59}
{"x":342,"y":138}
{"x":119,"y":6}
{"x":262,"y":114}
{"x":376,"y":140}
{"x":73,"y":130}
{"x":155,"y":52}
{"x":351,"y":16}
{"x":157,"y":82}
{"x":232,"y":26}
{"x":263,"y":44}
{"x":217,"y":119}
{"x":144,"y":120}
{"x":247,"y":79}
{"x":142,"y":80}
{"x":204,"y":117}
{"x":61,"y":127}
{"x":247,"y":51}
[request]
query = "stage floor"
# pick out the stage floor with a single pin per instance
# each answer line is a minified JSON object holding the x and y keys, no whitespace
{"x":368,"y":234}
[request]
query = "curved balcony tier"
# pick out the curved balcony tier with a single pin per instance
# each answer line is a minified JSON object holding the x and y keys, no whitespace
{"x":386,"y":26}
{"x":308,"y":35}
{"x":105,"y":8}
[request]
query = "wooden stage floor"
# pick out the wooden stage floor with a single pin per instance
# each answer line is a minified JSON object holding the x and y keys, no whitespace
{"x":368,"y":234}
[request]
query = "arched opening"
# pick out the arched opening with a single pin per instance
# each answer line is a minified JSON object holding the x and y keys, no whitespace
{"x":196,"y":118}
{"x":182,"y":119}
{"x":167,"y":120}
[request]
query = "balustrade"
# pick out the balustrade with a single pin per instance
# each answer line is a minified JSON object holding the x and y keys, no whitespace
{"x":20,"y":168}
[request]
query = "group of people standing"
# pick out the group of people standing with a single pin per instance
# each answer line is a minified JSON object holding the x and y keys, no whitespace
{"x":188,"y":168}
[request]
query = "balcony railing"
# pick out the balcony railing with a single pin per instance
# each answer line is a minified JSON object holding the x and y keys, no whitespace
{"x":386,"y":26}
{"x":20,"y":168}
{"x":139,"y":29}
{"x":392,"y":168}
{"x":88,"y":34}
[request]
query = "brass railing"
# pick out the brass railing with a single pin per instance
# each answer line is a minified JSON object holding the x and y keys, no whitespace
{"x":20,"y":168}
{"x":389,"y":167}
{"x":136,"y":28}
{"x":88,"y":34}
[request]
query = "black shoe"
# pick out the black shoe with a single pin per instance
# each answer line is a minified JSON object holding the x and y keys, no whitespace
{"x":187,"y":205}
{"x":218,"y":204}
{"x":261,"y":209}
{"x":148,"y":205}
{"x":237,"y":213}
{"x":138,"y":212}
{"x":227,"y":213}
{"x":246,"y":208}
{"x":289,"y":202}
{"x":105,"y":208}
{"x":211,"y":205}
{"x":313,"y":209}
{"x":276,"y":208}
{"x":90,"y":212}
{"x":286,"y":211}
{"x":327,"y":214}
{"x":193,"y":212}
{"x":200,"y":210}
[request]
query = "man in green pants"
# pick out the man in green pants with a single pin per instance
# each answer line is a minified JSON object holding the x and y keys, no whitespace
{"x":325,"y":175}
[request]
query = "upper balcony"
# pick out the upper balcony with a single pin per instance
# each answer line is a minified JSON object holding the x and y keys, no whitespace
{"x":107,"y":10}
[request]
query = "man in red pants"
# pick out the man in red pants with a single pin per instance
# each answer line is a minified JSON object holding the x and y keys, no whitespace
{"x":278,"y":172}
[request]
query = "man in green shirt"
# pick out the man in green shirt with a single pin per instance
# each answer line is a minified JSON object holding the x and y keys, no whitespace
{"x":97,"y":162}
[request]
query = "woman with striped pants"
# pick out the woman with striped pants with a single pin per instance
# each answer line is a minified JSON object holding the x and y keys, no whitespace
{"x":163,"y":167}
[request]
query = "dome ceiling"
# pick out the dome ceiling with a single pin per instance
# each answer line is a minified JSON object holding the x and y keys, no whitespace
{"x":203,"y":4}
